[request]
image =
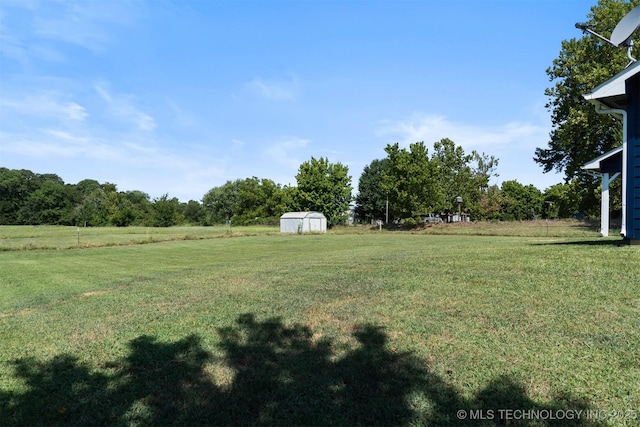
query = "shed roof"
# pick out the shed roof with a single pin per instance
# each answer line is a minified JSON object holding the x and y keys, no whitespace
{"x":300,"y":215}
{"x":612,"y":93}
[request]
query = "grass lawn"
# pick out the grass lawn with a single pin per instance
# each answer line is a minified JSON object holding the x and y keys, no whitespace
{"x":24,"y":237}
{"x":366,"y":328}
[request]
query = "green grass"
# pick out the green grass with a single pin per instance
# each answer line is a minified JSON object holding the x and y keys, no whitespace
{"x":62,"y":237}
{"x":367,"y":328}
{"x":535,"y":228}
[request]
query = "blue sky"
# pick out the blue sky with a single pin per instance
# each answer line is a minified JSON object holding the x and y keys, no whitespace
{"x":179,"y":97}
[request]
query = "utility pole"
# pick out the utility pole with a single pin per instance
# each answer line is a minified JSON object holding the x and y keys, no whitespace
{"x":387,"y":217}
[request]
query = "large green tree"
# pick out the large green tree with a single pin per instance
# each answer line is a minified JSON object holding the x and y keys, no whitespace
{"x":192,"y":211}
{"x":14,"y":189}
{"x":165,"y":211}
{"x":119,"y":209}
{"x":579,"y":133}
{"x":324,"y":187}
{"x":461,"y":174}
{"x":24,"y":194}
{"x":260,"y":201}
{"x":220,"y":203}
{"x":245,"y":201}
{"x":409,"y":180}
{"x":521,"y":202}
{"x":144,"y":210}
{"x":49,"y":204}
{"x":371,"y":201}
{"x":419,"y":183}
{"x":453,"y":173}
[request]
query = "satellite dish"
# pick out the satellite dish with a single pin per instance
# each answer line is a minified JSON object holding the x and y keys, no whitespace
{"x":625,"y":28}
{"x":621,"y":35}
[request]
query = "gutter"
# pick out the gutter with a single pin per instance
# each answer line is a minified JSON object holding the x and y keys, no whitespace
{"x":603,"y":109}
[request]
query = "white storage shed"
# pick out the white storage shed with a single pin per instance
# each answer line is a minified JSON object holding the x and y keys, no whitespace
{"x":303,"y":222}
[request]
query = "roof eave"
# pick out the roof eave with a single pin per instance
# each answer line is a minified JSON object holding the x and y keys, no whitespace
{"x":617,"y":102}
{"x":612,"y":93}
{"x":594,"y":165}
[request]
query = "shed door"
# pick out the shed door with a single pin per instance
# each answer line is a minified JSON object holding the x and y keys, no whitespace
{"x":315,"y":224}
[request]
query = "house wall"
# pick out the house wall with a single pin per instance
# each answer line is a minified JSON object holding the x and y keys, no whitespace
{"x":633,"y":158}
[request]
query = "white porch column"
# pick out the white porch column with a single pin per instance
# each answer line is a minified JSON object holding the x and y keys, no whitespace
{"x":604,"y":203}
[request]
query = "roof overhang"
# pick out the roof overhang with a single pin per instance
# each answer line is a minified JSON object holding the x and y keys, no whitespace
{"x":612,"y":93}
{"x":596,"y":165}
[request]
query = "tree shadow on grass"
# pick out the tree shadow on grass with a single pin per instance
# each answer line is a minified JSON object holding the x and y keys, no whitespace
{"x":617,"y":243}
{"x":282,"y":376}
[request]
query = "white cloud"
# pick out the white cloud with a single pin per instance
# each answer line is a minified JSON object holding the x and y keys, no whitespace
{"x":275,"y":90}
{"x":62,"y":135}
{"x":10,"y":44}
{"x":103,"y":93}
{"x":38,"y":29}
{"x":75,"y":111}
{"x":43,"y":104}
{"x":46,"y":52}
{"x":432,"y":128}
{"x":81,"y":23}
{"x":134,"y":162}
{"x":122,"y":106}
{"x":284,"y":151}
{"x":53,"y":144}
{"x":181,"y":117}
{"x":512,"y":143}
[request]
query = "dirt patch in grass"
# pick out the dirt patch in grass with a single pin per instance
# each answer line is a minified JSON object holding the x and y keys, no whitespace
{"x":94,"y":293}
{"x":17,"y":313}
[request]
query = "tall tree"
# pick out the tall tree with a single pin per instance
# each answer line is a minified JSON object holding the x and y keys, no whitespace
{"x":49,"y":204}
{"x":143,"y":209}
{"x":13,"y":192}
{"x":259,"y":201}
{"x":16,"y":190}
{"x":418,"y":183}
{"x":192,"y":211}
{"x":119,"y":209}
{"x":94,"y":210}
{"x":220,"y":203}
{"x":453,"y":173}
{"x":409,"y":180}
{"x":324,"y":187}
{"x":165,"y":211}
{"x":579,"y":133}
{"x":520,"y":202}
{"x":371,"y":201}
{"x":484,"y":203}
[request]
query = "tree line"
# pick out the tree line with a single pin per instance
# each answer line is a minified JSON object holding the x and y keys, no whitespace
{"x":28,"y":198}
{"x":411,"y":182}
{"x":406,"y":184}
